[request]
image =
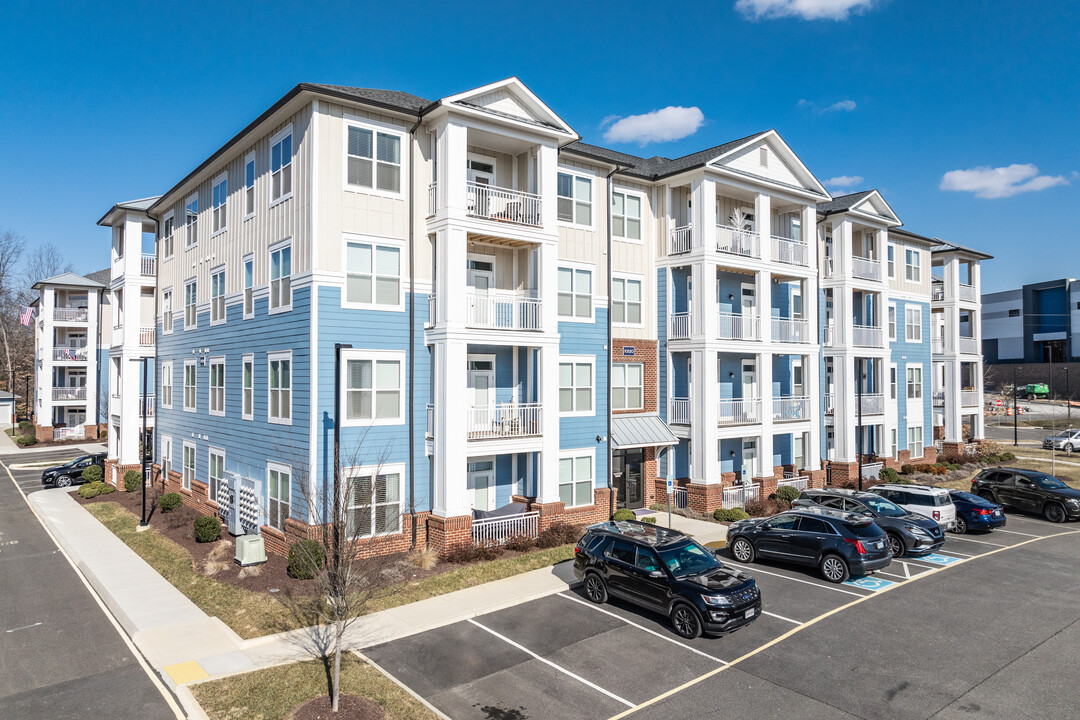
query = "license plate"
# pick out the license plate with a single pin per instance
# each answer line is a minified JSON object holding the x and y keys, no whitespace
{"x":751,"y":612}
{"x":997,"y":513}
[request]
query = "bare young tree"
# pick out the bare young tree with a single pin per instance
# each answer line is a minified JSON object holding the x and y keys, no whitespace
{"x":12,"y":245}
{"x":46,"y":261}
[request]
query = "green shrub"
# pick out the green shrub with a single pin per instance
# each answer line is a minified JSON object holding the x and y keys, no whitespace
{"x":786,"y":492}
{"x":305,"y":559}
{"x":25,"y":440}
{"x":106,"y":488}
{"x":207,"y":529}
{"x":26,"y":427}
{"x":624,"y":514}
{"x":93,"y":474}
{"x":132,"y":478}
{"x":169,"y":502}
{"x":1007,"y":457}
{"x":907,"y":469}
{"x":729,"y":515}
{"x":888,"y":475}
{"x":92,"y":490}
{"x":658,"y":507}
{"x":519,"y":543}
{"x":651,"y":519}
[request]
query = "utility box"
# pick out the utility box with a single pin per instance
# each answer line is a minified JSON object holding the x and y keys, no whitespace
{"x":250,"y":550}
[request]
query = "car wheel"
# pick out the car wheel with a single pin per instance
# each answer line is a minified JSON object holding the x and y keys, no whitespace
{"x":1069,"y":449}
{"x":1054,"y":512}
{"x":742,"y":550}
{"x":896,"y":546}
{"x":685,"y":621}
{"x":834,"y":569}
{"x":961,"y":525}
{"x":63,"y":481}
{"x":595,"y":588}
{"x":987,"y":495}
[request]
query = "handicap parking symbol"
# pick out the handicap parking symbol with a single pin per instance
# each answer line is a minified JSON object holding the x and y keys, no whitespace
{"x":869,"y":583}
{"x":940,"y":559}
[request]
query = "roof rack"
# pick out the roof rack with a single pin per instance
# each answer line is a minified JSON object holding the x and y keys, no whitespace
{"x":637,"y":530}
{"x":849,"y":517}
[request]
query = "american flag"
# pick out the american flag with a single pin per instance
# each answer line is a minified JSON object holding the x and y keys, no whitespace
{"x":26,"y":316}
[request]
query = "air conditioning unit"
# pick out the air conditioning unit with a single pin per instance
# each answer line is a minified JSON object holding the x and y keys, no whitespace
{"x":250,"y":550}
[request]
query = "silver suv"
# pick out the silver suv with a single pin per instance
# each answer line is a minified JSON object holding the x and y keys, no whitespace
{"x":930,"y":502}
{"x":1066,"y":440}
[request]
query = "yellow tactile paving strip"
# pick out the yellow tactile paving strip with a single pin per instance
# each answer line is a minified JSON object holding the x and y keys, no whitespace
{"x":186,"y":672}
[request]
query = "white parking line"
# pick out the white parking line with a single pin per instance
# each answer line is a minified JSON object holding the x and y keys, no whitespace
{"x":902,"y":577}
{"x":954,"y":552}
{"x":781,"y":617}
{"x":905,"y":563}
{"x":807,"y":582}
{"x":980,"y":542}
{"x":662,"y":636}
{"x":1013,"y":532}
{"x":547,"y":662}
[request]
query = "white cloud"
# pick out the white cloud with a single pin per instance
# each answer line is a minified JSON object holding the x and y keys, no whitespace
{"x":988,"y":182}
{"x":843,"y":105}
{"x":663,"y":125}
{"x":844,"y":181}
{"x":805,"y":9}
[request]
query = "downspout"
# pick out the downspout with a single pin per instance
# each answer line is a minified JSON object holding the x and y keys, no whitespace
{"x":411,"y":393}
{"x":157,"y":229}
{"x":97,"y":362}
{"x":610,"y":345}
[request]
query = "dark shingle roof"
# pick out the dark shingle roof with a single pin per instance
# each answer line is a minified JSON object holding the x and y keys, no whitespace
{"x":100,"y":276}
{"x":842,"y":202}
{"x":945,"y":246}
{"x":657,"y":167}
{"x":395,"y":99}
{"x":69,"y":279}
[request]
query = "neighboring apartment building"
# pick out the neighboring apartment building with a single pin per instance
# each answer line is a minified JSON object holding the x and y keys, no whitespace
{"x":1037,"y":323}
{"x":71,"y":340}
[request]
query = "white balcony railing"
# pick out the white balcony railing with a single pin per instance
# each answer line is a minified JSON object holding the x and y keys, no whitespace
{"x":790,"y":252}
{"x":738,"y":412}
{"x":679,"y":240}
{"x":970,"y":398}
{"x":503,"y":204}
{"x":865,"y":268}
{"x":938,"y":293}
{"x":146,"y":406}
{"x":867,"y":336}
{"x":432,"y":199}
{"x":62,"y":314}
{"x":939,"y":397}
{"x":790,"y":330}
{"x":737,"y":497}
{"x":504,"y":420}
{"x":873,"y":404}
{"x":69,"y":393}
{"x":830,"y":334}
{"x":737,"y":242}
{"x":967,"y":292}
{"x":148,"y":265}
{"x":430,"y":433}
{"x":828,"y":403}
{"x":679,"y":411}
{"x":496,"y":531}
{"x":70,"y":354}
{"x":499,"y":311}
{"x":69,"y":433}
{"x":969,"y":345}
{"x":791,"y":408}
{"x":937,"y":345}
{"x":432,"y":308}
{"x":799,"y":483}
{"x":146,"y":336}
{"x":827,"y":267}
{"x":679,"y":326}
{"x":732,"y":326}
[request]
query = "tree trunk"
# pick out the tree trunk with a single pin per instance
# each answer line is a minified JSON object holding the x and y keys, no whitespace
{"x":337,"y":666}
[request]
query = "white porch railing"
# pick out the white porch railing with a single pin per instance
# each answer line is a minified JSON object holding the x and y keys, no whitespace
{"x":937,"y":345}
{"x":679,"y":326}
{"x":432,"y":198}
{"x":679,"y":240}
{"x":791,"y":408}
{"x":432,"y":308}
{"x":148,"y":265}
{"x":69,"y":393}
{"x":967,"y":292}
{"x":937,"y":293}
{"x":68,"y":433}
{"x":737,"y":242}
{"x":830,"y":335}
{"x":503,"y":204}
{"x":504,"y":420}
{"x":62,"y":314}
{"x":72,"y":354}
{"x":799,"y":483}
{"x":679,"y":411}
{"x":970,"y":398}
{"x":873,"y":404}
{"x":969,"y":345}
{"x":430,"y":433}
{"x":503,"y":312}
{"x":872,"y":471}
{"x":865,"y":268}
{"x":732,"y":326}
{"x":829,"y":403}
{"x":496,"y":531}
{"x":737,"y":497}
{"x":680,"y":497}
{"x":146,"y":336}
{"x":146,"y":404}
{"x":738,"y":412}
{"x":827,"y":267}
{"x":790,"y":252}
{"x":790,"y":330}
{"x":867,"y":336}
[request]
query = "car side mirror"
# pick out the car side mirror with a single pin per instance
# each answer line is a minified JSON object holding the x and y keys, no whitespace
{"x":766,"y":526}
{"x":656,"y":574}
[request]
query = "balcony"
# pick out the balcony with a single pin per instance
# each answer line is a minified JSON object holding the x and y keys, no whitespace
{"x":432,"y":199}
{"x":679,"y":412}
{"x":873,"y":404}
{"x":828,"y":403}
{"x":502,"y":204}
{"x":937,"y":346}
{"x":148,"y":265}
{"x":865,"y":268}
{"x":731,"y":326}
{"x":63,"y":314}
{"x":430,"y":432}
{"x":968,"y":293}
{"x":790,"y":330}
{"x":69,"y":393}
{"x":791,"y":408}
{"x":146,"y":406}
{"x":738,"y":412}
{"x":970,"y":398}
{"x":737,"y":242}
{"x":504,"y":420}
{"x":830,"y":335}
{"x":867,"y":336}
{"x":503,"y":311}
{"x":969,"y":345}
{"x":939,"y":398}
{"x":679,"y":240}
{"x":938,"y":292}
{"x":790,"y":252}
{"x":146,"y":336}
{"x":827,"y":267}
{"x":679,"y":326}
{"x":63,"y":353}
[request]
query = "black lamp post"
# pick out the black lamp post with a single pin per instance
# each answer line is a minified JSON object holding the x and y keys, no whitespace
{"x":1016,"y":436}
{"x":144,"y":413}
{"x":858,"y":438}
{"x":335,"y":522}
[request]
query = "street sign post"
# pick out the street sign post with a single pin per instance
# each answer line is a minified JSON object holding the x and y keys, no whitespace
{"x":670,"y":493}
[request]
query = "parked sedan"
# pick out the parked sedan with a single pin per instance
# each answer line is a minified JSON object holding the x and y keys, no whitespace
{"x":908,"y":533}
{"x":1066,"y":441}
{"x":72,"y":472}
{"x":1029,"y":490}
{"x":975,"y":513}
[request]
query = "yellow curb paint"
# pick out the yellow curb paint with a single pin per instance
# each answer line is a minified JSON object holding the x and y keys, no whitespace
{"x":186,"y":672}
{"x":716,"y":544}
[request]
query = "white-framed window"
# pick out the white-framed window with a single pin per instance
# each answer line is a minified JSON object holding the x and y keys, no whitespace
{"x":626,"y":301}
{"x":249,"y":287}
{"x":890,"y":252}
{"x":217,"y":386}
{"x":165,"y":459}
{"x":627,"y":386}
{"x":577,"y":468}
{"x":279,"y":492}
{"x":575,"y":198}
{"x":168,"y":229}
{"x":912,"y":265}
{"x":279,"y":384}
{"x":892,"y":382}
{"x":281,"y":156}
{"x":895,"y":448}
{"x":217,"y":296}
{"x":914,"y":382}
{"x":575,"y":293}
{"x":373,"y":158}
{"x":219,"y":196}
{"x":191,"y":221}
{"x":374,"y":500}
{"x":626,"y":215}
{"x":281,"y":279}
{"x":190,"y":385}
{"x":166,"y":384}
{"x":576,"y":385}
{"x":191,"y":296}
{"x":247,"y":400}
{"x":892,"y":321}
{"x":189,"y":465}
{"x":217,"y":475}
{"x":249,"y":185}
{"x":166,"y":311}
{"x":374,"y":391}
{"x":373,"y":275}
{"x":915,"y":441}
{"x":913,"y":324}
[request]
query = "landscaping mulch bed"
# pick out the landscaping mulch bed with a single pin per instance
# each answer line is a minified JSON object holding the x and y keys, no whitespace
{"x":350,"y":707}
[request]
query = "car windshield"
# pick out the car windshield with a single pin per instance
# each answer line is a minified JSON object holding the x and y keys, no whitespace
{"x":966,"y":497}
{"x":1047,"y":482}
{"x":881,"y":506}
{"x":688,"y":559}
{"x":76,"y":461}
{"x":1065,"y":434}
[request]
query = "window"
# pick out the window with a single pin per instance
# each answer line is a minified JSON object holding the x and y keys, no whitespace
{"x":249,"y":185}
{"x":913,"y":324}
{"x":576,"y":480}
{"x":892,"y":382}
{"x":621,"y":551}
{"x":217,"y":297}
{"x":1015,"y":312}
{"x":191,"y":221}
{"x":168,"y":226}
{"x":217,"y":386}
{"x":626,"y":301}
{"x":166,"y":384}
{"x":279,"y":479}
{"x":626,"y":216}
{"x":249,"y":287}
{"x":219,"y":193}
{"x":189,"y":465}
{"x":892,"y":322}
{"x":627,"y":386}
{"x":280,"y":279}
{"x":189,"y":385}
{"x":813,"y":525}
{"x":166,"y":456}
{"x":912,"y":265}
{"x":218,"y":489}
{"x":374,"y":159}
{"x":895,"y":449}
{"x":576,"y":387}
{"x":280,"y":383}
{"x":374,"y":388}
{"x":575,"y":293}
{"x":191,"y":317}
{"x":166,"y":311}
{"x":891,"y":252}
{"x":575,"y":199}
{"x":281,"y":166}
{"x":247,"y":401}
{"x":374,"y":502}
{"x":914,"y":383}
{"x":915,"y":441}
{"x":373,"y":274}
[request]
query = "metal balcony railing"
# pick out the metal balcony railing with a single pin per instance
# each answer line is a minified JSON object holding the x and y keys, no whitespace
{"x":968,"y":293}
{"x":873,"y":404}
{"x":738,"y":412}
{"x":432,"y":199}
{"x":146,"y":406}
{"x":865,"y":268}
{"x":867,"y":336}
{"x":497,"y":311}
{"x":69,"y":393}
{"x":828,"y":403}
{"x":69,"y":433}
{"x":148,"y":265}
{"x":733,"y":326}
{"x":790,"y":330}
{"x":679,"y":240}
{"x":938,"y":293}
{"x":937,"y":346}
{"x":69,"y":354}
{"x":63,"y":314}
{"x":970,"y":398}
{"x":969,"y":345}
{"x":503,"y":204}
{"x":432,"y":309}
{"x":790,"y":252}
{"x":737,"y":497}
{"x":939,"y":397}
{"x":679,"y":411}
{"x":737,"y":242}
{"x":791,"y":408}
{"x":679,"y":326}
{"x":504,"y":420}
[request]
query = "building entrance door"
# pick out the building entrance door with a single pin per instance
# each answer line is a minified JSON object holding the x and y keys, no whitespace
{"x":627,"y":468}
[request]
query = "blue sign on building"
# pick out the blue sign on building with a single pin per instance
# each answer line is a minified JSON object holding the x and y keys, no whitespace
{"x":628,"y":350}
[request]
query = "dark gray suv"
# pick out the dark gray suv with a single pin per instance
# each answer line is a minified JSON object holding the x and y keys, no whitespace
{"x":908,"y":533}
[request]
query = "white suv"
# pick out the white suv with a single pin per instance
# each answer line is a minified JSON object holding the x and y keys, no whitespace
{"x":932,"y":502}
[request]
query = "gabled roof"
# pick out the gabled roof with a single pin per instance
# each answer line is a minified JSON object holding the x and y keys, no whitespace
{"x":510,"y":99}
{"x":100,"y":276}
{"x":657,"y":167}
{"x":141,"y":205}
{"x":391,"y":99}
{"x":69,"y":279}
{"x":946,"y":247}
{"x":868,"y":203}
{"x":842,"y":203}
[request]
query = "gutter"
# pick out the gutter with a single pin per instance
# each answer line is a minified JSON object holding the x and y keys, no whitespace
{"x":610,"y":342}
{"x":411,"y":393}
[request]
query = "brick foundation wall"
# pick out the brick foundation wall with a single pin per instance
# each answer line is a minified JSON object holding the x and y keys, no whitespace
{"x":446,"y":533}
{"x":704,"y":498}
{"x":43,"y":433}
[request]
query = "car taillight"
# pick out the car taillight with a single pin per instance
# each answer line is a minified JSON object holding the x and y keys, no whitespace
{"x":858,"y":545}
{"x":577,"y":550}
{"x":937,"y":515}
{"x":983,"y":511}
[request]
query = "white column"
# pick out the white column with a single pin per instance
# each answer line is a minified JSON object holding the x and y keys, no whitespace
{"x":92,"y":334}
{"x":845,"y":413}
{"x":763,"y":223}
{"x":703,"y":212}
{"x":45,"y":374}
{"x":547,"y":486}
{"x":812,"y":379}
{"x":451,"y":251}
{"x":953,"y":402}
{"x":765,"y":443}
{"x":763,"y":290}
{"x":705,"y":469}
{"x":548,"y":173}
{"x":451,"y":437}
{"x":453,"y":152}
{"x":842,"y":247}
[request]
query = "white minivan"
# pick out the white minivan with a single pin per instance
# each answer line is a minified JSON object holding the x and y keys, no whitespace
{"x":932,"y":502}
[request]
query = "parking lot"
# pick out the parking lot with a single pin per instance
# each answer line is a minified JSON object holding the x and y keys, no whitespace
{"x":26,"y":469}
{"x":974,"y":628}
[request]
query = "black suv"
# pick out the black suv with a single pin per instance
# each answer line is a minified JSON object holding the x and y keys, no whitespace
{"x":72,"y":472}
{"x":666,"y":571}
{"x":908,"y":533}
{"x":1029,"y":490}
{"x":840,"y":544}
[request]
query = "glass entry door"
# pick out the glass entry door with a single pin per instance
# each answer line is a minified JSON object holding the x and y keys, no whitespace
{"x":627,"y":477}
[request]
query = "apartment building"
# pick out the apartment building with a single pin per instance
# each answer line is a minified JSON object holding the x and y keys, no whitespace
{"x":1036,"y":323}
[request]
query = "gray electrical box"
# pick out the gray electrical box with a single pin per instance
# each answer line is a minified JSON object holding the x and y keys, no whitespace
{"x":250,"y":550}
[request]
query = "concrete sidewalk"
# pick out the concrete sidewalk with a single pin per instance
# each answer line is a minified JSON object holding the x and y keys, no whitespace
{"x":705,"y":532}
{"x":9,"y":448}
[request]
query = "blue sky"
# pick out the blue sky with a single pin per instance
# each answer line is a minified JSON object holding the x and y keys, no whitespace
{"x":107,"y":105}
